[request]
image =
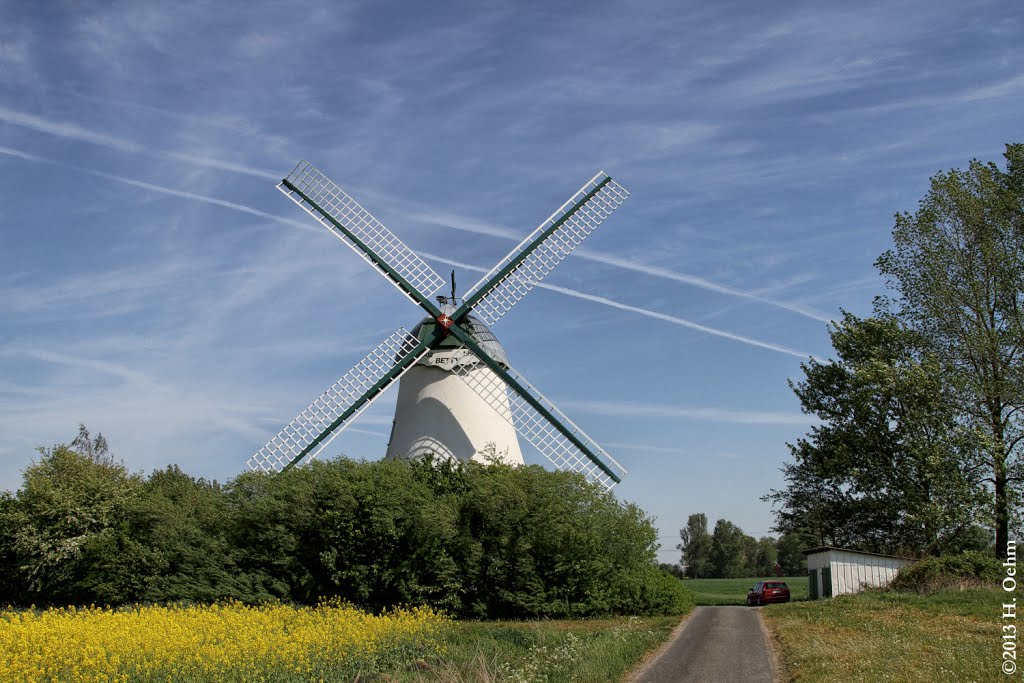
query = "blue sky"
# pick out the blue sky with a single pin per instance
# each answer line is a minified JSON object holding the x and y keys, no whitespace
{"x":155,"y":286}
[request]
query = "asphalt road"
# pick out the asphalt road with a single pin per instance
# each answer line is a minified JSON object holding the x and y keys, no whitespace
{"x":715,"y":644}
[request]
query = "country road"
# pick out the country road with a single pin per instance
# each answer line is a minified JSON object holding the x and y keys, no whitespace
{"x":715,"y":644}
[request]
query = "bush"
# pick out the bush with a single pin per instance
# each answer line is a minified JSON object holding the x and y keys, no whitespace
{"x":661,"y":594}
{"x":482,"y":541}
{"x":492,"y":542}
{"x":970,"y":569}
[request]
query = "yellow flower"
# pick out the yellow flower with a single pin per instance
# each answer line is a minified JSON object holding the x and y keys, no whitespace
{"x":226,"y":642}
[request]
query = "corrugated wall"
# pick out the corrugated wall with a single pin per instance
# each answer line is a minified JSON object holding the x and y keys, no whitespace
{"x":850,"y":571}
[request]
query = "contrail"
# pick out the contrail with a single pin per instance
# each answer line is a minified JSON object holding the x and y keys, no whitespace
{"x":222,"y":165}
{"x":74,"y":131}
{"x":66,"y":129}
{"x":706,"y":414}
{"x":439,"y":218}
{"x":463,"y":224}
{"x":682,"y":322}
{"x":9,"y":151}
{"x":656,"y":271}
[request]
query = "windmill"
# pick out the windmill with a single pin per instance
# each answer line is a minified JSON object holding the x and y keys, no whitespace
{"x":472,"y":364}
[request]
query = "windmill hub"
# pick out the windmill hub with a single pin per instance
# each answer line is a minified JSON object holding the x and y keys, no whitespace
{"x":444,"y":321}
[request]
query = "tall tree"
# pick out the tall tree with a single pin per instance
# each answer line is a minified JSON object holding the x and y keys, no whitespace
{"x":957,"y":273}
{"x":729,"y":550}
{"x":67,"y":519}
{"x":766,"y":557}
{"x":750,"y":552}
{"x":791,"y":557}
{"x":696,"y":546}
{"x":889,"y":468}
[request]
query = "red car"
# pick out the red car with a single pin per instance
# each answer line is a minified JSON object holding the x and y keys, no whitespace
{"x":764,"y":592}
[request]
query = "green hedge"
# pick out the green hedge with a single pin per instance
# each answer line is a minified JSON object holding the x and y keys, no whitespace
{"x":963,"y":570}
{"x":477,"y":541}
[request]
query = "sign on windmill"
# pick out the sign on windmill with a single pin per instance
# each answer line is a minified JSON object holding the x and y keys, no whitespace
{"x":457,"y":391}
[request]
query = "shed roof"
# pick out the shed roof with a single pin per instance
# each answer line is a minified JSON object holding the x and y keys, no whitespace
{"x":825,"y":548}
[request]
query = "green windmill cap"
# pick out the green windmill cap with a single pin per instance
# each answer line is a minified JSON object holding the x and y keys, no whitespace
{"x":479,"y":332}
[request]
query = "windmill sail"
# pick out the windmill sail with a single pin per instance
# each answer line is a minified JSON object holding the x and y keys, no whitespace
{"x":319,"y":424}
{"x":356,"y":227}
{"x":540,"y":422}
{"x":506,"y":391}
{"x":543,"y":249}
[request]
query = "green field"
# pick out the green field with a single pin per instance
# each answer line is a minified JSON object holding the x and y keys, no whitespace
{"x":951,"y":635}
{"x":734,"y":591}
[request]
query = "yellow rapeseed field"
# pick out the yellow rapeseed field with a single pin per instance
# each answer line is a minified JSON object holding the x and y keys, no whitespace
{"x":226,"y":642}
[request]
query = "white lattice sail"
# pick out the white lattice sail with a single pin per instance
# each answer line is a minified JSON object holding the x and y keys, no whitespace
{"x":537,"y":428}
{"x":567,"y":232}
{"x":332,"y":207}
{"x":314,"y":428}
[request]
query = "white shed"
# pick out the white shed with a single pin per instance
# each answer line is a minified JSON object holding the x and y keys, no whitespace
{"x":834,"y":571}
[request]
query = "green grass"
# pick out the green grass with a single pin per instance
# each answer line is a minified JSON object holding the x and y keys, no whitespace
{"x":582,"y":651}
{"x":949,"y":635}
{"x":734,"y":591}
{"x":563,"y":651}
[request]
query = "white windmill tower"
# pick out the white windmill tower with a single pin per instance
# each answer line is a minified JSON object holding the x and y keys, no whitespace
{"x":458,"y":391}
{"x":438,"y":413}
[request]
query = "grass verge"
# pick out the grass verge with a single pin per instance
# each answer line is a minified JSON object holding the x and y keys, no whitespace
{"x":949,"y":635}
{"x":734,"y":591}
{"x":589,"y":651}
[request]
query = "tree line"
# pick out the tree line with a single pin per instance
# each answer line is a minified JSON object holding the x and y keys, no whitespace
{"x":729,"y":553}
{"x":918,"y":450}
{"x":477,"y":541}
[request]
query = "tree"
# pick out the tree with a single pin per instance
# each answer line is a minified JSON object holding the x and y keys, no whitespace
{"x":185,"y":524}
{"x":672,"y":569}
{"x":750,"y":552}
{"x":95,"y":449}
{"x":730,"y":550}
{"x":12,"y":578}
{"x":379,"y":537}
{"x":889,"y":468}
{"x":791,"y":557}
{"x":957,"y":273}
{"x":68,"y":520}
{"x":537,"y":543}
{"x":696,"y":547}
{"x":486,"y":541}
{"x":766,"y":557}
